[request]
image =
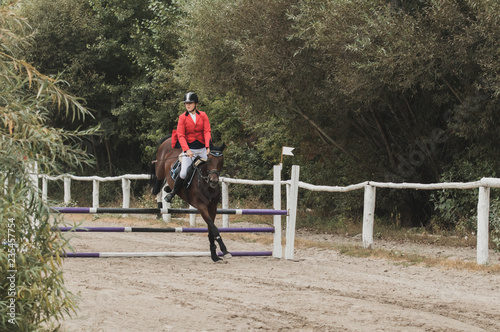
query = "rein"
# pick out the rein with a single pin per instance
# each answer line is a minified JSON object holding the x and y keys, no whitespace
{"x":217,"y":154}
{"x":157,"y":160}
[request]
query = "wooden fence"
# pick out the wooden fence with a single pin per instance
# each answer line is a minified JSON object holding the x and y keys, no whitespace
{"x":292,"y":187}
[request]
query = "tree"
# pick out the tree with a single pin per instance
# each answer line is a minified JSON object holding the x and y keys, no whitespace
{"x":33,"y":295}
{"x":386,"y":90}
{"x":248,"y":47}
{"x":118,"y":56}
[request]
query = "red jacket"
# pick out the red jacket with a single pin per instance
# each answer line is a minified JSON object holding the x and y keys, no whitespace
{"x":188,"y":131}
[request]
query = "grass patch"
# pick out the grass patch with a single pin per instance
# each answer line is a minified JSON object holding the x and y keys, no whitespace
{"x":387,"y":231}
{"x":399,"y":257}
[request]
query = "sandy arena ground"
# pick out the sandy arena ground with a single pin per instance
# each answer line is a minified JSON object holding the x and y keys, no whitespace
{"x":321,"y":290}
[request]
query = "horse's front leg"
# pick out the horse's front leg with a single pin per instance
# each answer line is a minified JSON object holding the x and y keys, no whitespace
{"x":214,"y":235}
{"x":226,"y":254}
{"x":213,"y":247}
{"x":213,"y":212}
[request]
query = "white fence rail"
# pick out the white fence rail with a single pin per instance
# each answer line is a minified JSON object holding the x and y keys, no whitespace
{"x":125,"y":179}
{"x":292,"y":187}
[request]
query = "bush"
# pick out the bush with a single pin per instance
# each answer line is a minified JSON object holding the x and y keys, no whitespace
{"x":457,"y":209}
{"x":32,"y":293}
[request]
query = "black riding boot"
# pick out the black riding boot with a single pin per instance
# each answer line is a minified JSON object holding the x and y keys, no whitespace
{"x":177,"y":185}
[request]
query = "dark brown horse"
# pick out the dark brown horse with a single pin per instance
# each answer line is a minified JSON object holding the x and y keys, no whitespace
{"x":204,"y":192}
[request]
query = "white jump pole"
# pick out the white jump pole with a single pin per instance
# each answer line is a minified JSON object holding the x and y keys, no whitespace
{"x":277,"y":247}
{"x":368,"y":216}
{"x":292,"y":212}
{"x":483,"y":211}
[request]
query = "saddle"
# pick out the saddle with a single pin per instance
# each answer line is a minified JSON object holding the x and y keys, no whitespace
{"x":176,"y":169}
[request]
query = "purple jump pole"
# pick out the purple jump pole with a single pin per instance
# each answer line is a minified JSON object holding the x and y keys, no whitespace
{"x":162,"y":254}
{"x":167,"y":229}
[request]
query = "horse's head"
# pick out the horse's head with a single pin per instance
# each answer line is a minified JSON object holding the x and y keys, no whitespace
{"x":215,"y":163}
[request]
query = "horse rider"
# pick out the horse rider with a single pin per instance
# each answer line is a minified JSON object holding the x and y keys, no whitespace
{"x":193,"y":132}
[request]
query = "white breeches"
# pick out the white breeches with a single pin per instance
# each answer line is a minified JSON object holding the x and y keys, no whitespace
{"x":186,"y":161}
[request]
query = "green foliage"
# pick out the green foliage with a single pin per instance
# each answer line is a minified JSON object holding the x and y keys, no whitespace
{"x":32,"y":293}
{"x":457,"y":209}
{"x":365,"y":90}
{"x":118,"y":56}
{"x":370,"y":86}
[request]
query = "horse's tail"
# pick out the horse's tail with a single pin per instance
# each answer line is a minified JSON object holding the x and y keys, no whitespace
{"x":153,"y":180}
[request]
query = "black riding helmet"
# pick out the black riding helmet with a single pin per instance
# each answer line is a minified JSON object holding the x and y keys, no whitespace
{"x":190,"y":97}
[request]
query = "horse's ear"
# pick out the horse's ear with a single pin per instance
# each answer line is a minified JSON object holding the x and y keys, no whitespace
{"x":223,"y":147}
{"x":211,"y":145}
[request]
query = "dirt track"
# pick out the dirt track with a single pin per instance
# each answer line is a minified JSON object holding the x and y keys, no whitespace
{"x":320,"y":291}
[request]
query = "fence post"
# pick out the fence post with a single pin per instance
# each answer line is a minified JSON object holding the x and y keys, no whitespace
{"x":67,"y":190}
{"x":5,"y":184}
{"x":368,"y":217}
{"x":225,"y":203}
{"x":126,"y":195}
{"x":292,"y":212}
{"x":95,"y":194}
{"x":192,"y":217}
{"x":167,"y":217}
{"x":44,"y":188}
{"x":34,"y":189}
{"x":483,"y":211}
{"x":277,"y":248}
{"x":33,"y":176}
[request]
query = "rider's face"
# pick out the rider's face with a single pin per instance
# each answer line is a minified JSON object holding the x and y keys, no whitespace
{"x":190,"y":106}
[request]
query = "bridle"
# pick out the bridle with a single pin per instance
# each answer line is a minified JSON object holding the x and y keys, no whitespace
{"x":216,"y":154}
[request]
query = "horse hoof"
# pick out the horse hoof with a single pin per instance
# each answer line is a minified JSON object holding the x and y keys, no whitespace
{"x":227,"y":256}
{"x":221,"y":261}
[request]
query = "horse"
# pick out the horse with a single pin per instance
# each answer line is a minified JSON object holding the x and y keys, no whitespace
{"x":204,"y":191}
